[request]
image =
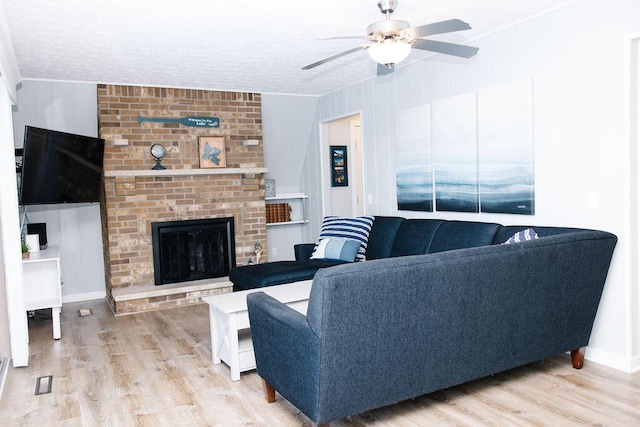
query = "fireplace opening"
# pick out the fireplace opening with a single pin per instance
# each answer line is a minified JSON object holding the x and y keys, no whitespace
{"x":192,"y":249}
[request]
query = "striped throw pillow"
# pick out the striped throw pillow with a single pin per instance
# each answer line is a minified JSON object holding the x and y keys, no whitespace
{"x":522,"y":236}
{"x":336,"y":250}
{"x":353,"y":228}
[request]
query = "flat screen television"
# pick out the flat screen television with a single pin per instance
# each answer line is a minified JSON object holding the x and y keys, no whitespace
{"x":60,"y":167}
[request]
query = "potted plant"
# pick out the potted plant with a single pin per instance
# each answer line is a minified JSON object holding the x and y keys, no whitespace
{"x":25,"y":250}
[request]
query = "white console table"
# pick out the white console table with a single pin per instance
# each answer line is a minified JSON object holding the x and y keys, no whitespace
{"x":42,"y":284}
{"x":229,"y":318}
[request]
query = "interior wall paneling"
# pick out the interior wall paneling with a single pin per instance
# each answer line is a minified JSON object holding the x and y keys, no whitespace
{"x":288,"y":127}
{"x":578,"y":131}
{"x":14,"y":320}
{"x":67,"y":107}
{"x":632,"y":200}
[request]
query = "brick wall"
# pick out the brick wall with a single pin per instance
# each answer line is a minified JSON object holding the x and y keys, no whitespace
{"x":132,"y":203}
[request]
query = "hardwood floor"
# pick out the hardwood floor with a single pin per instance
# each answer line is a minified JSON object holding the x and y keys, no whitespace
{"x":154,"y":369}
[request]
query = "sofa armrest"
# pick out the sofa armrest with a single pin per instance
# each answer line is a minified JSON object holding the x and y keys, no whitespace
{"x":303,"y":251}
{"x":286,"y":350}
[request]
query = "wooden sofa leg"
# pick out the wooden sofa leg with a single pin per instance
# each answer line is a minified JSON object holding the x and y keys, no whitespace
{"x":269,"y":392}
{"x":577,"y":357}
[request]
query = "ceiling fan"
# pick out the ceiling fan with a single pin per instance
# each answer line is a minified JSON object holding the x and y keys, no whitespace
{"x":393,"y":40}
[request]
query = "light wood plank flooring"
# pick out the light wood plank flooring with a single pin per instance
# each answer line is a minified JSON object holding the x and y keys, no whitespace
{"x":154,"y":369}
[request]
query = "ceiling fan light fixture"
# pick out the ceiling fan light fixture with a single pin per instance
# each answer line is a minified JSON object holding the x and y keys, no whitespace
{"x":393,"y":40}
{"x":389,"y":52}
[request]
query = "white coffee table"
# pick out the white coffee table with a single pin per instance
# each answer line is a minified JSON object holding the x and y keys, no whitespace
{"x":229,"y":323}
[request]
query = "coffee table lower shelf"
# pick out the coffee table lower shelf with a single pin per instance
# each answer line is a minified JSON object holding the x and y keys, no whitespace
{"x":229,"y":323}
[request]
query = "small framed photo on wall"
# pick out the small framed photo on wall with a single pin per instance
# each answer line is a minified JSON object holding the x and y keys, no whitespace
{"x":211,"y":152}
{"x":269,"y":188}
{"x":339,"y":172}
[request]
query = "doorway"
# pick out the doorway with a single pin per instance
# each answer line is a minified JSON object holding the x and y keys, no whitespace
{"x":343,"y":196}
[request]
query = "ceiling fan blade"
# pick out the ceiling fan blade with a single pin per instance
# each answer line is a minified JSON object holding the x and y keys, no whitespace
{"x":438,"y":28}
{"x":336,"y":56}
{"x":446,"y":48}
{"x":340,"y":38}
{"x":383,"y":70}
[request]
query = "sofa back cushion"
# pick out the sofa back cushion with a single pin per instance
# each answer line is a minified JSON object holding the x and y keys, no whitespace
{"x":414,"y":236}
{"x":452,"y":235}
{"x":383,"y":233}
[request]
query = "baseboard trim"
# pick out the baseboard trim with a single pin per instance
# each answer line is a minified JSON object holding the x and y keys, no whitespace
{"x":84,"y":297}
{"x":612,"y":360}
{"x":635,"y":364}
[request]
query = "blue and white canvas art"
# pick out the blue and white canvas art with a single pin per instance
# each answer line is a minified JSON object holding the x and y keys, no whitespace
{"x":473,"y":152}
{"x":505,"y":143}
{"x":414,"y":173}
{"x":455,"y":153}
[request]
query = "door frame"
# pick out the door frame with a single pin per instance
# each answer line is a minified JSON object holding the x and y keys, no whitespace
{"x":355,"y":142}
{"x":355,"y":160}
{"x":631,"y":202}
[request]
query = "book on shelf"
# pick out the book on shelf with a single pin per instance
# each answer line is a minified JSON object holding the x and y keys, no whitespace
{"x":278,"y":212}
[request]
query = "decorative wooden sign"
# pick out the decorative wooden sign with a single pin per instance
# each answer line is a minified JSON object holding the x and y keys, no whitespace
{"x":202,"y":122}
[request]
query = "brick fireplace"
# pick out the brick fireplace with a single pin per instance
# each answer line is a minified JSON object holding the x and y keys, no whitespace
{"x":137,"y":196}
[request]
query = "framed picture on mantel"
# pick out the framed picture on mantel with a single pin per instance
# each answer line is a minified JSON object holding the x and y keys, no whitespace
{"x":269,"y":188}
{"x":211,"y":152}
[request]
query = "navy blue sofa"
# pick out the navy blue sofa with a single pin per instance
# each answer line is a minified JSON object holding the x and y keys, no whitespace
{"x":390,"y":237}
{"x":396,"y":327}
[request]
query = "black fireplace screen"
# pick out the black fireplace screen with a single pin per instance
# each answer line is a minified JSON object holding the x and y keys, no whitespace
{"x":192,"y":249}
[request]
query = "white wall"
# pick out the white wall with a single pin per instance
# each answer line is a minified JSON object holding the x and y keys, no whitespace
{"x":75,"y":228}
{"x":288,"y":123}
{"x":14,"y":340}
{"x":632,"y":155}
{"x":5,"y":346}
{"x":579,"y":127}
{"x":13,"y":319}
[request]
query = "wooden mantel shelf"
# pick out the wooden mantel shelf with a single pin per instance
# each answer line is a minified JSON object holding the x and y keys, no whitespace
{"x":182,"y":172}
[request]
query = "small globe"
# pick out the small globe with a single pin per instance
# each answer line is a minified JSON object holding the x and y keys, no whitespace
{"x":158,"y":151}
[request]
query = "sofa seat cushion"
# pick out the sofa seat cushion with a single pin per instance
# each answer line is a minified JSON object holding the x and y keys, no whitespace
{"x":276,"y":273}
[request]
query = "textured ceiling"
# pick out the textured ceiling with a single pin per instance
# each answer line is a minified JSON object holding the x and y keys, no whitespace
{"x":238,"y":45}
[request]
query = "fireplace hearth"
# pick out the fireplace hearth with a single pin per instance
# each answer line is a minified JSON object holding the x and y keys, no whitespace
{"x":189,"y":250}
